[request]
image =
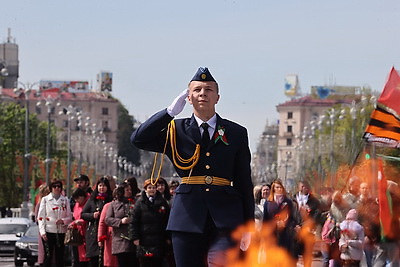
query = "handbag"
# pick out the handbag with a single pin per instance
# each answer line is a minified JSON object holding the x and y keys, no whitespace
{"x":73,"y":237}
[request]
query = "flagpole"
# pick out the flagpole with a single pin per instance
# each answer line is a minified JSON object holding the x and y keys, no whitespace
{"x":374,"y":170}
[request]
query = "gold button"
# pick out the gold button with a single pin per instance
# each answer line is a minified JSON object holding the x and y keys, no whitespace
{"x":207,"y":189}
{"x":208,"y":167}
{"x":208,"y":154}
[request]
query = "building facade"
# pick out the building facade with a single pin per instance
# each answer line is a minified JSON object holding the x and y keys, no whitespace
{"x":90,"y":120}
{"x":9,"y":63}
{"x":264,"y":162}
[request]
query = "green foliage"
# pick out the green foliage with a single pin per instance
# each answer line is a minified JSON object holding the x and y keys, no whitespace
{"x":347,"y":140}
{"x":12,"y":132}
{"x":126,"y":124}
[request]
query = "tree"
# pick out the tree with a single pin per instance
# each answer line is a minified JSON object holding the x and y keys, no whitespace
{"x":12,"y":129}
{"x":126,"y":125}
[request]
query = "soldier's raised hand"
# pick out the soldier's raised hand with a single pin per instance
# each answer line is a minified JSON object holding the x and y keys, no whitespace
{"x":178,"y":104}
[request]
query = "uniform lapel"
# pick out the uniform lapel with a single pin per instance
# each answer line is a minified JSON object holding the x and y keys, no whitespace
{"x":220,"y":123}
{"x":192,"y":129}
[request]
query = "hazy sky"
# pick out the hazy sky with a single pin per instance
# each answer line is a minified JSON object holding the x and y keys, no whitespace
{"x":153,"y":48}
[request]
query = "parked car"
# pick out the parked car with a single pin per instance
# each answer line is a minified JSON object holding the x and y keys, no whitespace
{"x":26,"y":247}
{"x":9,"y":227}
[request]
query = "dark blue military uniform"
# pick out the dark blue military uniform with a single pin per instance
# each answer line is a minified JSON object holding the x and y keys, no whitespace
{"x":229,"y":206}
{"x":216,"y":195}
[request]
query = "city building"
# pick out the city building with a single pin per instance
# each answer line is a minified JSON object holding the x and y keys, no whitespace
{"x":9,"y":64}
{"x":299,"y":120}
{"x":264,"y":162}
{"x":91,"y":116}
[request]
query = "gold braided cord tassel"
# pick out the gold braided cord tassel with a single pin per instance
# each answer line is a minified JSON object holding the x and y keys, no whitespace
{"x":171,"y":136}
{"x":175,"y":155}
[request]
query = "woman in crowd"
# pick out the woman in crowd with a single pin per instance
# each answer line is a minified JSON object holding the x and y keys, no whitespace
{"x":119,"y":216}
{"x":132,"y":181}
{"x":43,"y":191}
{"x":279,"y":213}
{"x":105,"y":232}
{"x":101,"y":195}
{"x":265,"y":191}
{"x":163,"y":188}
{"x":258,"y":210}
{"x":81,"y":197}
{"x":173,"y":185}
{"x":54,"y":216}
{"x":149,"y":224}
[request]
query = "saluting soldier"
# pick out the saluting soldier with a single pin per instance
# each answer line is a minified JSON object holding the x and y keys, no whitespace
{"x":212,"y":156}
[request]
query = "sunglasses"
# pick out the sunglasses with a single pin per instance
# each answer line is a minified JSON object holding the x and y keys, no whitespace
{"x":57,"y":186}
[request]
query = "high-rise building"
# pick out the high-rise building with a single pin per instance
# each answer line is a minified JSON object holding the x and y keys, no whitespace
{"x":9,"y":62}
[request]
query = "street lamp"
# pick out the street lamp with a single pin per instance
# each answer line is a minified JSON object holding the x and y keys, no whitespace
{"x":288,"y":157}
{"x":26,"y":91}
{"x":49,"y":103}
{"x":70,"y":111}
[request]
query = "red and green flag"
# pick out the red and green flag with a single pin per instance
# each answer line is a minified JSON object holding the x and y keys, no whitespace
{"x":385,"y":204}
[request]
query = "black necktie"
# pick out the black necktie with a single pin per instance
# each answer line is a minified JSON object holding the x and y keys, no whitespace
{"x":205,"y":139}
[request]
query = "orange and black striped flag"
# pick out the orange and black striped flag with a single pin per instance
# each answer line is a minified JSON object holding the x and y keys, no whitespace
{"x":383,"y":128}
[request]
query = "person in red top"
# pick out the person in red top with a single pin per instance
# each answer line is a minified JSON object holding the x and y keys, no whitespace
{"x":80,"y":197}
{"x":104,"y":234}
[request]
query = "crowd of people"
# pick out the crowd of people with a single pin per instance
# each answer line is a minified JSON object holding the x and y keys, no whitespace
{"x":124,"y":226}
{"x":345,"y":223}
{"x":120,"y":225}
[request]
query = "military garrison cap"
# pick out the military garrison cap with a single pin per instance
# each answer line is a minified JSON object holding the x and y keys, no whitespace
{"x":203,"y":75}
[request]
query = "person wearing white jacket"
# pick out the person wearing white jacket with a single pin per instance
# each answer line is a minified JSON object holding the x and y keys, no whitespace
{"x":351,"y":240}
{"x":54,"y":216}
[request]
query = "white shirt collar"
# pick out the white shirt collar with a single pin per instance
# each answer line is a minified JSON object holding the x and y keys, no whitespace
{"x":212,"y":123}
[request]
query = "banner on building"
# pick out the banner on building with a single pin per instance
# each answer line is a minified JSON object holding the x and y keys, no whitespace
{"x":325,"y":91}
{"x":105,"y":81}
{"x":65,"y":86}
{"x":292,"y":86}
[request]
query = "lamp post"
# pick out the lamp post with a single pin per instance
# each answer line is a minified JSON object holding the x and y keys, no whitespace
{"x":319,"y":164}
{"x":71,"y":112}
{"x":49,"y":103}
{"x":332,"y":118}
{"x":26,"y":91}
{"x":288,"y":157}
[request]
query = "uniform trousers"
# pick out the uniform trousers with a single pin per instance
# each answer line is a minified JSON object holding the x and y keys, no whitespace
{"x":202,"y":249}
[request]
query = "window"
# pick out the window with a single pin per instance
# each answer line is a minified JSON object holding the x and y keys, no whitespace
{"x":104,"y":111}
{"x":289,"y":128}
{"x":290,"y":115}
{"x":105,"y":126}
{"x":289,"y":141}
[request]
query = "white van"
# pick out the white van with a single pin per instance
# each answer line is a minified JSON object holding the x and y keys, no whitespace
{"x":9,"y":227}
